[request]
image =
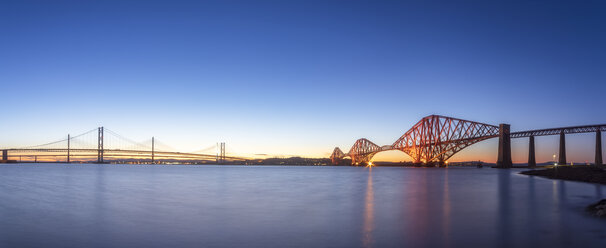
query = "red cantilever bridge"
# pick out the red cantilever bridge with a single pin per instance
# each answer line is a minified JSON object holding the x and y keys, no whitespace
{"x":436,"y":138}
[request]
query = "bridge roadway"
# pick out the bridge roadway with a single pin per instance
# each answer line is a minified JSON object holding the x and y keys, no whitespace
{"x":117,"y":153}
{"x":556,"y":131}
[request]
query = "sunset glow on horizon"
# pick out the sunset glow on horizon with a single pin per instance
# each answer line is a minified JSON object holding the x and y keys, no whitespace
{"x":300,"y":78}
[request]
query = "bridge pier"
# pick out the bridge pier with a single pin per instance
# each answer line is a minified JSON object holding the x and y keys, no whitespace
{"x":4,"y":155}
{"x":100,"y":146}
{"x":532,"y":162}
{"x":335,"y":161}
{"x":598,"y":148}
{"x":504,"y":157}
{"x":562,"y":157}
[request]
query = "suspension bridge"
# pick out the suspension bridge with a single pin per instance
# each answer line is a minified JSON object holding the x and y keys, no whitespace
{"x":102,"y":145}
{"x":436,"y":138}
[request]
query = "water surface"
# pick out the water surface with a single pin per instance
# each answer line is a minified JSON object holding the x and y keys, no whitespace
{"x":58,"y":205}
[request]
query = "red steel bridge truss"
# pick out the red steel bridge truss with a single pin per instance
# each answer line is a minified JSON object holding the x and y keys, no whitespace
{"x":434,"y":138}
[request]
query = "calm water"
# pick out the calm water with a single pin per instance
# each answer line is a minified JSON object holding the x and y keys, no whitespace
{"x":276,"y":206}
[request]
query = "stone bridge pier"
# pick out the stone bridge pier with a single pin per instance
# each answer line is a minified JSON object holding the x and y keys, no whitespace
{"x":504,"y":157}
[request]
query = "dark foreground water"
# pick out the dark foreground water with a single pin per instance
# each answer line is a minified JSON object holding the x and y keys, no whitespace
{"x":270,"y":206}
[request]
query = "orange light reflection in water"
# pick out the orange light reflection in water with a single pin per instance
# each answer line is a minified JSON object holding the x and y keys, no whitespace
{"x":369,"y":214}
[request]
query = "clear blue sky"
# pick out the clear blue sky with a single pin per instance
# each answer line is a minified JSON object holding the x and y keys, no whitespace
{"x":298,"y":77}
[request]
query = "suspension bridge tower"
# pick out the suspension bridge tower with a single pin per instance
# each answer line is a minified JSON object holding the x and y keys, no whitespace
{"x":100,"y":146}
{"x":221,"y":153}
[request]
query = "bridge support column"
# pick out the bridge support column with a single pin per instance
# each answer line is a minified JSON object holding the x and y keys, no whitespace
{"x":562,"y":158}
{"x":4,"y":155}
{"x":100,"y":146}
{"x":68,"y":139}
{"x":152,"y":153}
{"x":222,"y":152}
{"x":598,"y":148}
{"x":532,"y":162}
{"x":504,"y":157}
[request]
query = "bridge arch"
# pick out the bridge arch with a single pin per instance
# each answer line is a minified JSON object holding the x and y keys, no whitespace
{"x":392,"y":155}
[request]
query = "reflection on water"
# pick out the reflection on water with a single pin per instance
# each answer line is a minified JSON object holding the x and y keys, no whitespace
{"x":446,"y":211}
{"x":368,"y":212}
{"x":278,"y":206}
{"x":504,"y":211}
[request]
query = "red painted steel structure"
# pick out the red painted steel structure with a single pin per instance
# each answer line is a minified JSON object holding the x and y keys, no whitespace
{"x":434,"y":138}
{"x":362,"y":151}
{"x":336,"y":156}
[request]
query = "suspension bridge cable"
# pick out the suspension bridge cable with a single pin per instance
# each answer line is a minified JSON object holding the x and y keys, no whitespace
{"x":56,"y":142}
{"x":213,"y":147}
{"x":133,"y":144}
{"x":162,"y":145}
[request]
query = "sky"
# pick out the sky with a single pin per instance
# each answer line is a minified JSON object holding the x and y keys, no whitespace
{"x":300,"y":77}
